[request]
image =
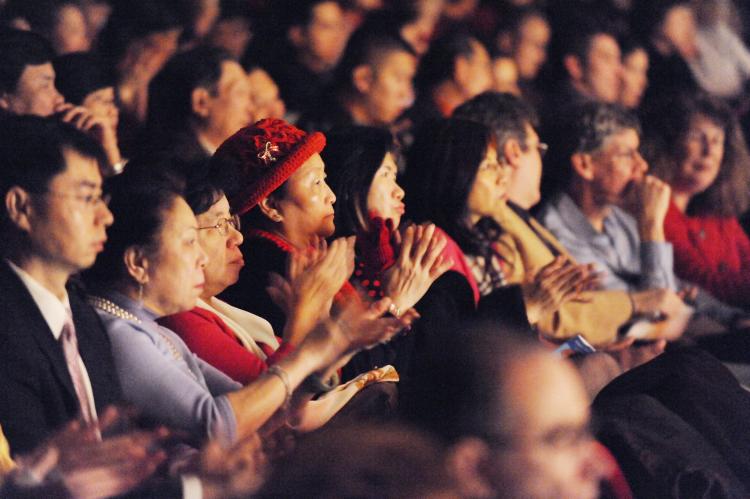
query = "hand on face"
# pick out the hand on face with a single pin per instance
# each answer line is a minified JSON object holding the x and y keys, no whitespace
{"x":652,"y":200}
{"x":98,"y":128}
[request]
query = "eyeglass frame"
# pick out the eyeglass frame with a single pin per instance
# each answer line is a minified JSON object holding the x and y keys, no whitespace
{"x":222,"y":226}
{"x":89,"y":200}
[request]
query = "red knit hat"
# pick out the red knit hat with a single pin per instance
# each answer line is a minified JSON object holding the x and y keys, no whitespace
{"x":269,"y":152}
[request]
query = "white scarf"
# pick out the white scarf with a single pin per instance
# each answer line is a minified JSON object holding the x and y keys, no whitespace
{"x":249,"y":328}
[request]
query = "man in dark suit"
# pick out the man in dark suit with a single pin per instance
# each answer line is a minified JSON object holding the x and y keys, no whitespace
{"x":53,"y":224}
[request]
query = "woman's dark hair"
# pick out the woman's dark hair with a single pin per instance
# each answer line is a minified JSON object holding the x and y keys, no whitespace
{"x":352,"y":157}
{"x":140,"y":197}
{"x":441,"y":167}
{"x":668,"y":124}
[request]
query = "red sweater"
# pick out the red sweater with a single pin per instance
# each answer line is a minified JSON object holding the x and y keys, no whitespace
{"x":213,"y":341}
{"x":712,"y":252}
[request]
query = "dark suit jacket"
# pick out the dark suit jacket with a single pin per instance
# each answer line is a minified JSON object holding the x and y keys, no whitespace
{"x":36,"y":392}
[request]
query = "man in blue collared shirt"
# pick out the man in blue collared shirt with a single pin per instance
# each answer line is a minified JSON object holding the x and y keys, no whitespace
{"x":600,"y":170}
{"x":608,"y":171}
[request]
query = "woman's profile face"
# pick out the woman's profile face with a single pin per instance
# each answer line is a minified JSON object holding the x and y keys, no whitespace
{"x":221,"y":241}
{"x":385,"y":197}
{"x":703,"y":152}
{"x":306,"y":210}
{"x":490,"y":187}
{"x":175,"y":267}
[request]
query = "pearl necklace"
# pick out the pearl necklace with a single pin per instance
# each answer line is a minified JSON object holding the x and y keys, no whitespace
{"x":113,"y":309}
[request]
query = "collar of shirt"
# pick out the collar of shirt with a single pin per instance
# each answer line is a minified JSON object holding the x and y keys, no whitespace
{"x":574,"y":217}
{"x":54,"y":310}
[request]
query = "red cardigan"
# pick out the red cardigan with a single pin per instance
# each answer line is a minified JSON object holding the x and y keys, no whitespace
{"x":213,"y":341}
{"x":712,"y":252}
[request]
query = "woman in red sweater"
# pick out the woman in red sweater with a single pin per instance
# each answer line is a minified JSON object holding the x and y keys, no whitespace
{"x":698,"y":148}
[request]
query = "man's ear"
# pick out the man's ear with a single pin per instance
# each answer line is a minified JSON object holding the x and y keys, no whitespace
{"x":362,"y":78}
{"x":511,"y":153}
{"x":573,"y":66}
{"x":4,"y":101}
{"x":270,"y":208}
{"x":136,"y":262}
{"x":296,"y":36}
{"x":462,"y":71}
{"x":18,"y":207}
{"x":200,"y":100}
{"x":467,"y":463}
{"x":583,"y":165}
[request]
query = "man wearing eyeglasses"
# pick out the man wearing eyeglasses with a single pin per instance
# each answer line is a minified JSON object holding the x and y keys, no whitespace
{"x":55,"y":360}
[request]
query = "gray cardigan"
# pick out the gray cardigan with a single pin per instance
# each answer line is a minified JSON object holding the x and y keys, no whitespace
{"x":162,"y":378}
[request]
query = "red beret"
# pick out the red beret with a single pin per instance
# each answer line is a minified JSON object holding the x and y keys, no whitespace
{"x":269,"y":152}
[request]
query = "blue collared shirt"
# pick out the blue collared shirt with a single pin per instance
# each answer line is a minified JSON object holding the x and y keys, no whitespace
{"x":628,"y":263}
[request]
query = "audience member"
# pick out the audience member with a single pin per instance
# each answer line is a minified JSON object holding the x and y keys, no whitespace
{"x":634,"y":74}
{"x":198,"y":100}
{"x":315,"y":36}
{"x":590,"y":66}
{"x":456,"y":68}
{"x":515,"y":419}
{"x":137,"y":41}
{"x":524,"y":37}
{"x":274,"y":178}
{"x":56,"y":363}
{"x":698,"y":149}
{"x":381,"y":461}
{"x":233,"y":29}
{"x":669,"y":28}
{"x":27,"y":86}
{"x":83,"y":80}
{"x":60,"y":21}
{"x":401,"y":261}
{"x":265,"y":100}
{"x":373,"y":84}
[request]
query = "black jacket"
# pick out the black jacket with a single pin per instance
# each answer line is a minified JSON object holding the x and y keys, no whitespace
{"x":36,"y":392}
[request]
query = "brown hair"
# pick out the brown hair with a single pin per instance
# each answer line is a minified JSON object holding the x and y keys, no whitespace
{"x":668,"y":124}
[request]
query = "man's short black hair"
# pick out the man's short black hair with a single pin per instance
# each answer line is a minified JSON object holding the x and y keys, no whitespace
{"x":439,"y":63}
{"x":367,"y":46}
{"x":31,"y":152}
{"x":170,"y":92}
{"x":19,"y":49}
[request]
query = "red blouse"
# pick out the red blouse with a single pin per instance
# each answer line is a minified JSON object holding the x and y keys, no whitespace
{"x":212,"y":340}
{"x":712,"y":252}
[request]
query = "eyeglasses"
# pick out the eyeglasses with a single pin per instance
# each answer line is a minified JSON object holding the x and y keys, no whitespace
{"x":88,"y":200}
{"x":542,"y":147}
{"x":223,"y":225}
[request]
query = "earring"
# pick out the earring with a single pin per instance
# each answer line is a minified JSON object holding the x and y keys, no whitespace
{"x":140,"y":294}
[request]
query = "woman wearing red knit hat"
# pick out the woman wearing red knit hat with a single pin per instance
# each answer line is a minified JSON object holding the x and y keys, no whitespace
{"x":274,"y":177}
